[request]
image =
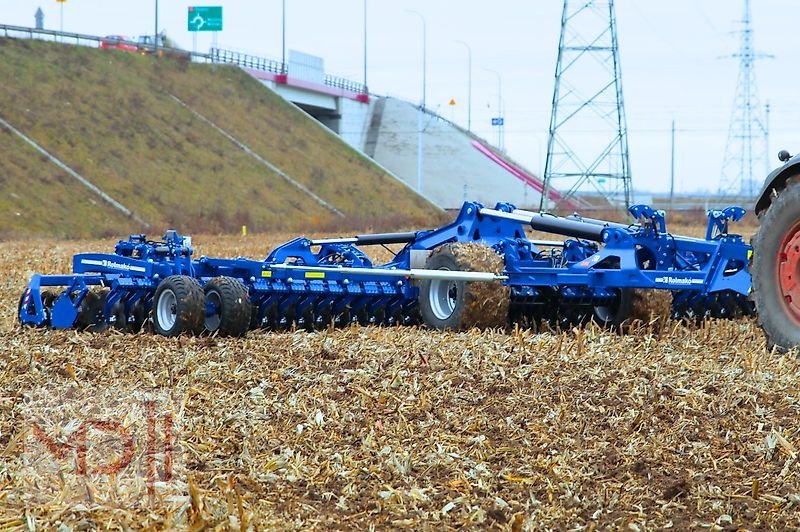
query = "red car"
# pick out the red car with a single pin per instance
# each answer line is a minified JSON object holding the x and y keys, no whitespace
{"x":117,"y":42}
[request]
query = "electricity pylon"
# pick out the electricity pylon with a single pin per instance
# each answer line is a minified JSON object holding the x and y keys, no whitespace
{"x":587,"y":150}
{"x":747,"y":134}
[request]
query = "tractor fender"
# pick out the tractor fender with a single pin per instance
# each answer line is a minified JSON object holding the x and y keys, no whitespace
{"x":776,"y":181}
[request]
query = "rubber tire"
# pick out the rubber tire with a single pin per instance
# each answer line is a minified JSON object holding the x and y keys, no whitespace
{"x":235,"y":312}
{"x":781,"y":329}
{"x":478,"y":304}
{"x":189,"y":306}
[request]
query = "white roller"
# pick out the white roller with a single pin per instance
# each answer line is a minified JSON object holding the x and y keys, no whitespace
{"x":551,"y":243}
{"x":442,"y":275}
{"x":524,"y":218}
{"x":523,"y":212}
{"x":344,"y":240}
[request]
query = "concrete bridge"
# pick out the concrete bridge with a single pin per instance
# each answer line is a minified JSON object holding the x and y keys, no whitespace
{"x":457,"y":165}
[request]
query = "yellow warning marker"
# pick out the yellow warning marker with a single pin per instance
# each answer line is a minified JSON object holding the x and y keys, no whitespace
{"x":452,"y":101}
{"x":244,"y":230}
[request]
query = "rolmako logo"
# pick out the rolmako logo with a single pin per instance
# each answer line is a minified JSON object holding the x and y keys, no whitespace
{"x":105,"y":263}
{"x":678,"y":280}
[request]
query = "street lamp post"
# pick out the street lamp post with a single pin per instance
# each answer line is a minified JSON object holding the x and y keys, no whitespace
{"x":469,"y":85}
{"x":155,"y":35}
{"x":500,"y":127}
{"x":365,"y":46}
{"x":420,"y":148}
{"x":283,"y":37}
{"x":424,"y":53}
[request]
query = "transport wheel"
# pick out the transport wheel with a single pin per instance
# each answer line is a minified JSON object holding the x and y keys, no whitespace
{"x":460,"y":305}
{"x":776,"y":270}
{"x":178,"y":306}
{"x":228,"y":308}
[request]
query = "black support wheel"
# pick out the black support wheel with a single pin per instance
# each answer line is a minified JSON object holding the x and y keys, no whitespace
{"x":776,"y":270}
{"x":228,"y":308}
{"x":178,"y":306}
{"x":461,"y":305}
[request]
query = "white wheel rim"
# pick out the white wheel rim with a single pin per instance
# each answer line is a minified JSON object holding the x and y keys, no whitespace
{"x":167,"y":309}
{"x":442,"y":296}
{"x":213,"y":320}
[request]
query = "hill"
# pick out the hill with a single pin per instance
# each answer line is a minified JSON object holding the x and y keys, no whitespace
{"x":195,"y":147}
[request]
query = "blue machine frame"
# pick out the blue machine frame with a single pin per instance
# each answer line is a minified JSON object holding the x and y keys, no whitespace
{"x":312,"y":282}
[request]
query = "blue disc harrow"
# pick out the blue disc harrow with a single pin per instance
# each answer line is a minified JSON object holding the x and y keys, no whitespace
{"x":431,"y":278}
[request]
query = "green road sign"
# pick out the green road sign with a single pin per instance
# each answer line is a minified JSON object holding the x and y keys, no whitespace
{"x":205,"y":18}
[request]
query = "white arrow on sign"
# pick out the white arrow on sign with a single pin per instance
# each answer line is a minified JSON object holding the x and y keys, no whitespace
{"x":199,"y":21}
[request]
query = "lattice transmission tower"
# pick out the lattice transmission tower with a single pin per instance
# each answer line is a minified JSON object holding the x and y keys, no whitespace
{"x":587,"y":150}
{"x":747,"y":134}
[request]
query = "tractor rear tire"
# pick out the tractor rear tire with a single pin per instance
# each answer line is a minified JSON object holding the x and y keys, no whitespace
{"x":178,"y":306}
{"x":232,"y":303}
{"x":776,"y":270}
{"x":461,"y":305}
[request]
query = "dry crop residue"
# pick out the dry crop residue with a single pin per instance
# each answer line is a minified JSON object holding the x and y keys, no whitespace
{"x":404,"y":427}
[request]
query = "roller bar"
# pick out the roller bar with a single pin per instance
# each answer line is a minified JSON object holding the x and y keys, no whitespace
{"x":370,"y":240}
{"x":414,"y":273}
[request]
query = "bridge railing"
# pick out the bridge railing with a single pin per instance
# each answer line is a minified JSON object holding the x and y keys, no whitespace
{"x":22,"y":32}
{"x":345,"y":84}
{"x":218,"y":55}
{"x":215,"y":55}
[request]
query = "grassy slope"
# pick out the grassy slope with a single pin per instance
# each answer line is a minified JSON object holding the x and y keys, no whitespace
{"x":68,"y":211}
{"x":110,"y":116}
{"x":295,"y":141}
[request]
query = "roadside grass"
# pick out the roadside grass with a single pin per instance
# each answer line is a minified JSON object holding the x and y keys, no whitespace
{"x":111,"y":117}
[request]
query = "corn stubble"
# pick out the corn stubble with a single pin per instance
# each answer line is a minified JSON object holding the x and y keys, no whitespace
{"x":675,"y":426}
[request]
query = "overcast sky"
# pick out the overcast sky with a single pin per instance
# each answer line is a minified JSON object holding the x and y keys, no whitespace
{"x":672,"y":56}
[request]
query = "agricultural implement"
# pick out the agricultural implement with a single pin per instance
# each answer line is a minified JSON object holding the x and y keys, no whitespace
{"x":484,"y":269}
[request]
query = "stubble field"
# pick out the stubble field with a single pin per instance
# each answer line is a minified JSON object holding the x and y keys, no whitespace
{"x":677,"y":427}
